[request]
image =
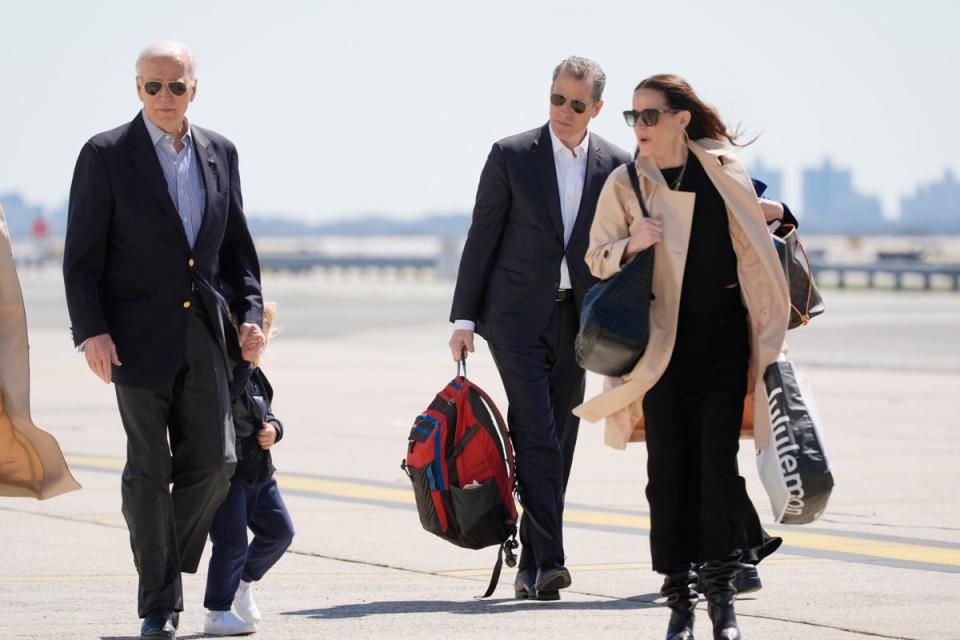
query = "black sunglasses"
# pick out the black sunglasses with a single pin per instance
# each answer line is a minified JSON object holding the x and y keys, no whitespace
{"x":649,"y":117}
{"x":153,"y":87}
{"x":557,"y":100}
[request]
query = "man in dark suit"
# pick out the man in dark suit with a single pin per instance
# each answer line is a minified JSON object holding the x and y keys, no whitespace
{"x":157,"y":259}
{"x":522,"y":278}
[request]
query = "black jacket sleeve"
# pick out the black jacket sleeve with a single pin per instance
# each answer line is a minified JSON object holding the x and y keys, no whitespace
{"x":239,"y":266}
{"x":84,"y":253}
{"x":788,"y":217}
{"x":483,"y":240}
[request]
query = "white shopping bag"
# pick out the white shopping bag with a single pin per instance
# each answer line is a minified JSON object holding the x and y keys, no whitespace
{"x":794,"y":468}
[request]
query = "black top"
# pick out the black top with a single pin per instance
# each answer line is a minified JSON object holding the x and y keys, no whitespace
{"x":711,"y":261}
{"x":251,"y":395}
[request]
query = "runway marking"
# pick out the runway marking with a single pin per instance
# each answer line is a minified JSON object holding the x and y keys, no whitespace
{"x":892,"y":551}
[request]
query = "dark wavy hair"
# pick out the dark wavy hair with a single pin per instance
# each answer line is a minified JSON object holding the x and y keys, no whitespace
{"x":705,"y":122}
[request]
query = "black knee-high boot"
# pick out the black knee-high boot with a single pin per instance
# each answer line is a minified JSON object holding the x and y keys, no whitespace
{"x":718,"y":576}
{"x":678,"y":588}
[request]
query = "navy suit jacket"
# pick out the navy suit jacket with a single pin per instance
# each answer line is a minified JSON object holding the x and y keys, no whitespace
{"x":510,"y":267}
{"x":128,"y":266}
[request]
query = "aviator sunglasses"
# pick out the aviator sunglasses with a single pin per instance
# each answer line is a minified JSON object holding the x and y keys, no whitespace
{"x":557,"y":100}
{"x":153,"y":87}
{"x":649,"y":117}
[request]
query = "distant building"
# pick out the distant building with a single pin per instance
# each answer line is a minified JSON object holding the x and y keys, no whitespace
{"x":830,"y":205}
{"x":20,"y":215}
{"x":934,"y":208}
{"x":771,"y":177}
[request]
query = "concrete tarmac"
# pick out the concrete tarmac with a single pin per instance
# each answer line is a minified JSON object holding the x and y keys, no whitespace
{"x":358,"y":360}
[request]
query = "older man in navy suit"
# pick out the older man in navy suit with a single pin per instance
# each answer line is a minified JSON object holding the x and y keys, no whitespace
{"x":521,"y":281}
{"x":158,"y":265}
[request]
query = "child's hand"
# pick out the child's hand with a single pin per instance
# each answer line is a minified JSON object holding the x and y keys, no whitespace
{"x":267,"y":436}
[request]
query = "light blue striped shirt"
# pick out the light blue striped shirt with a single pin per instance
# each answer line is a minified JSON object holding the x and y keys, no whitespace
{"x":183,"y":177}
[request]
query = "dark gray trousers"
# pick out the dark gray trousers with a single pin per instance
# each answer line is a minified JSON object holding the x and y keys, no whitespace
{"x":179,"y":433}
{"x":543,"y":383}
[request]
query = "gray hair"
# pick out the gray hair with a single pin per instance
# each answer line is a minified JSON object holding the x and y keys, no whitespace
{"x":583,"y":69}
{"x":170,"y":49}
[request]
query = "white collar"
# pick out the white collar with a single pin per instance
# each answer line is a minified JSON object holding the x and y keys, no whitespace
{"x":581,"y":148}
{"x":156,"y":133}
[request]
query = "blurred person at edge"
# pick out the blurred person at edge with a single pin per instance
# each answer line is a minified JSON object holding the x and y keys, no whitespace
{"x":31,"y":463}
{"x":718,"y":317}
{"x":521,"y":281}
{"x":156,"y":259}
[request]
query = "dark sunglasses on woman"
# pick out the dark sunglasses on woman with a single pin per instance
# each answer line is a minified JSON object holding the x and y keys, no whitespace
{"x":153,"y":87}
{"x":557,"y":100}
{"x":648,"y":117}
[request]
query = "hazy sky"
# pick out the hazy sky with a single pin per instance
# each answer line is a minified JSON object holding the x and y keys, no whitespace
{"x":341,"y":108}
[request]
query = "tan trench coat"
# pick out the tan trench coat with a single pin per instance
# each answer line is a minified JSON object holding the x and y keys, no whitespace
{"x":762,"y":283}
{"x":31,"y":463}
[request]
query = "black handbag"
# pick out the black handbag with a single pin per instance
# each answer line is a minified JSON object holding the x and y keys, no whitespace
{"x":805,"y":299}
{"x":615,"y":317}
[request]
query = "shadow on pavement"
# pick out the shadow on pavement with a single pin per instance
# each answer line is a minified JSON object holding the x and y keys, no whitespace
{"x":501,"y":605}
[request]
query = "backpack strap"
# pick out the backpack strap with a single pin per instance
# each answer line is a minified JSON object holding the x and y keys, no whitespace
{"x":507,"y":547}
{"x":509,"y":450}
{"x":501,"y":426}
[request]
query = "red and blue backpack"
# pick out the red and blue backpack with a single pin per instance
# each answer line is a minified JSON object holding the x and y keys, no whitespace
{"x":460,"y":461}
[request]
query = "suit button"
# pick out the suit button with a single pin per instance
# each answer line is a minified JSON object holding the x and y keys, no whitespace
{"x":190,"y":262}
{"x":606,"y":253}
{"x":186,"y":305}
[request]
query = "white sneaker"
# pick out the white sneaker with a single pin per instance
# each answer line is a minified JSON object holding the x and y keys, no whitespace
{"x":226,"y":623}
{"x":244,"y":604}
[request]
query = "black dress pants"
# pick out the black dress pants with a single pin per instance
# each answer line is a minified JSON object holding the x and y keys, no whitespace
{"x":179,"y":433}
{"x":543,"y":383}
{"x":699,"y":508}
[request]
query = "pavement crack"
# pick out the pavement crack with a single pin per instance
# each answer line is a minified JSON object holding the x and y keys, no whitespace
{"x":818,"y":625}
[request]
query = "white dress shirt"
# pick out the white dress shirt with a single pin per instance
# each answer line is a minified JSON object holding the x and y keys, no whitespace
{"x":571,"y":172}
{"x":571,"y":167}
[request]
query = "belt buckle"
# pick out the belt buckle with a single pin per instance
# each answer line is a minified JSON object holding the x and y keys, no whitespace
{"x":562,"y":295}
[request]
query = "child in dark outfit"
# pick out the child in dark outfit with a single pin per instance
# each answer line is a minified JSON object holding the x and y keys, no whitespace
{"x":254,"y":502}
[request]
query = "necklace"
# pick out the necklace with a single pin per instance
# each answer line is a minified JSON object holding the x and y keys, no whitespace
{"x":676,"y":183}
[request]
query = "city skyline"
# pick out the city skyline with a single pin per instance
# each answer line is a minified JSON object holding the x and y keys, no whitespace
{"x":830,"y":203}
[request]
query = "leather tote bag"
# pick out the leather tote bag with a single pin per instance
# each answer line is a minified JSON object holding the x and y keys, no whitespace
{"x":615,"y":317}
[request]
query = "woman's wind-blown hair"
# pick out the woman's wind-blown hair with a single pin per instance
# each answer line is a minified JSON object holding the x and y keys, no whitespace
{"x":705,"y":121}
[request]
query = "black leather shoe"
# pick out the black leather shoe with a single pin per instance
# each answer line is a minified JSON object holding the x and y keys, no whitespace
{"x":552,"y":579}
{"x":159,"y":625}
{"x":748,"y":579}
{"x":524,"y":588}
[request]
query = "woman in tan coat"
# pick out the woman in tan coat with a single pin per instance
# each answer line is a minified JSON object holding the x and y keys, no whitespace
{"x":718,"y":317}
